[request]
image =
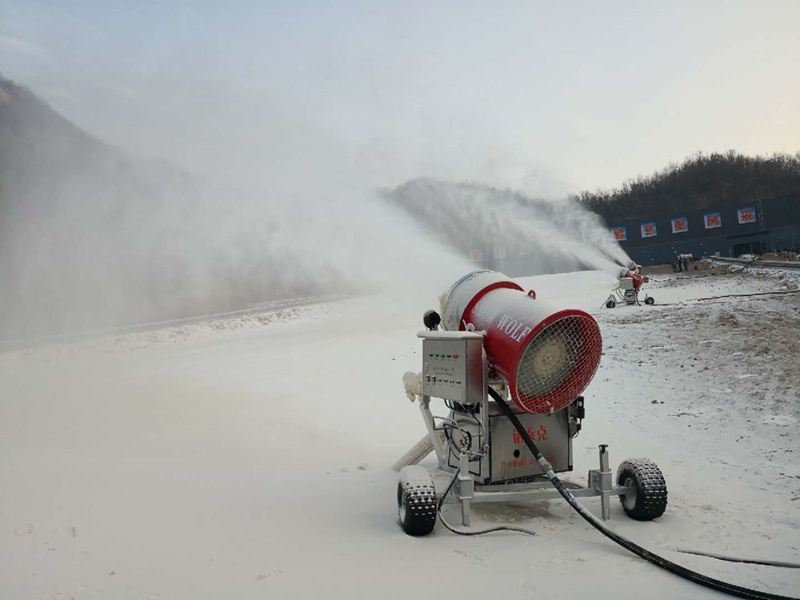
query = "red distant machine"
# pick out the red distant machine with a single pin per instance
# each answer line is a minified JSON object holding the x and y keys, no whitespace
{"x":629,"y":283}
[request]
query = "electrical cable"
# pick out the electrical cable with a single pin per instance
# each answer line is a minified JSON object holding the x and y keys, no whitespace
{"x":778,"y":293}
{"x":447,"y":426}
{"x":699,"y":578}
{"x":710,"y":299}
{"x":473,"y":531}
{"x":749,"y":561}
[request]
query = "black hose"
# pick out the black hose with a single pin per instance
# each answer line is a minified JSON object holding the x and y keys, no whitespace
{"x":709,"y":582}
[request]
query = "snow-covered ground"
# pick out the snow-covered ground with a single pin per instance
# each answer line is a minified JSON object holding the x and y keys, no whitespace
{"x":252,"y":459}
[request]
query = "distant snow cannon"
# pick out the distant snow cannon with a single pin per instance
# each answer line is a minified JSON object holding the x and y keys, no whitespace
{"x":546,"y":355}
{"x":629,"y":283}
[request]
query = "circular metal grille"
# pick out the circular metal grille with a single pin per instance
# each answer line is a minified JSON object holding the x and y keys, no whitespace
{"x":558,"y":364}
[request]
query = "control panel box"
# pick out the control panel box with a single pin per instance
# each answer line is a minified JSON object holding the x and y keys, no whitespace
{"x":453,"y":366}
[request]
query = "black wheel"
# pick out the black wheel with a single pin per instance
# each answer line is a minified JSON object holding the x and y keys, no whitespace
{"x":416,"y":501}
{"x":650,"y":300}
{"x":648,"y":501}
{"x":610,"y":303}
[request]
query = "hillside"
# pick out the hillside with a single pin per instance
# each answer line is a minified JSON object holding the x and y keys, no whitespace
{"x":72,"y":254}
{"x":701,"y":181}
{"x":91,"y":237}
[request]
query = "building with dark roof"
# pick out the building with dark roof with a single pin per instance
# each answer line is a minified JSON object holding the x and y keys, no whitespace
{"x":769,"y":225}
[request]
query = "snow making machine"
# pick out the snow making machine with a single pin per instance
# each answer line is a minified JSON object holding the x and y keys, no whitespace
{"x":511,"y":370}
{"x":629,"y":283}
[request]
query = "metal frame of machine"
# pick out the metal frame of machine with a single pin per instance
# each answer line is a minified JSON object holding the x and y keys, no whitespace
{"x":625,"y":292}
{"x":501,"y":343}
{"x":543,"y":358}
{"x":480,"y":442}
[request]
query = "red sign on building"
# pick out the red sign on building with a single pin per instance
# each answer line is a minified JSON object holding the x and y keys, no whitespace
{"x":680,"y":225}
{"x":712,"y":220}
{"x":747,"y":215}
{"x":649,"y":230}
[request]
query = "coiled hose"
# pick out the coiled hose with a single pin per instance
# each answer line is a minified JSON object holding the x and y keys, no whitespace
{"x":709,"y":582}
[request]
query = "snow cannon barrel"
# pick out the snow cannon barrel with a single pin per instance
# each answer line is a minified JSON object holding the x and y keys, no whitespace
{"x":547,"y":355}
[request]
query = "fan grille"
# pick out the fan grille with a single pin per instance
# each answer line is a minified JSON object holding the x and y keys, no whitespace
{"x":558,"y":364}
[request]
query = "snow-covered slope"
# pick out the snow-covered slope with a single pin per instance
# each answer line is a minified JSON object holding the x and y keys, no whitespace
{"x":255,"y":462}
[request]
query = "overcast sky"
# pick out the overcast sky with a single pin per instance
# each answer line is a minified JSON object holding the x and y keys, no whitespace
{"x":551,"y":97}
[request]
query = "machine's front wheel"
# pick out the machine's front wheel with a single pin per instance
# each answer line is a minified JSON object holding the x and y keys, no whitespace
{"x":648,"y":498}
{"x":649,"y":300}
{"x":610,"y":303}
{"x":416,"y":501}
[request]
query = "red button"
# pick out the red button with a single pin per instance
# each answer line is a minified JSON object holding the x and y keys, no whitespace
{"x":455,"y":356}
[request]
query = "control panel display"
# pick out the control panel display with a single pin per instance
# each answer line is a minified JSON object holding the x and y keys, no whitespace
{"x":452,"y":368}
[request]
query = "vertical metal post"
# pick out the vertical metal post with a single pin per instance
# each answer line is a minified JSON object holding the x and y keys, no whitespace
{"x":486,"y":459}
{"x":427,"y":416}
{"x":466,"y":488}
{"x":605,"y":482}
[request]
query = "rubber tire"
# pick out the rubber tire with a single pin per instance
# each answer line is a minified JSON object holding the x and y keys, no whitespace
{"x":610,"y":303}
{"x":650,"y":500}
{"x":416,"y":501}
{"x":650,"y":300}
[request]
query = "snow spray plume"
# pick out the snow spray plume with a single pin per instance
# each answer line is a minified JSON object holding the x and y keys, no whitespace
{"x":93,"y":238}
{"x":79,"y":270}
{"x":554,"y":235}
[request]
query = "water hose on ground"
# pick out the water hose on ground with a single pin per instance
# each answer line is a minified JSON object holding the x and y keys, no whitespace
{"x":699,"y":578}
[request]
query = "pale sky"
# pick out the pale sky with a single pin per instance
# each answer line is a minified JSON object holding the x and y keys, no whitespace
{"x":550,"y":97}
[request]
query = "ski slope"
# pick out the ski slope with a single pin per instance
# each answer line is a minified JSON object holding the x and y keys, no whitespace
{"x":252,"y":460}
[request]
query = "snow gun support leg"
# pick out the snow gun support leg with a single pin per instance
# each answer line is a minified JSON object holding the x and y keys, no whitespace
{"x":466,"y":488}
{"x":601,"y":481}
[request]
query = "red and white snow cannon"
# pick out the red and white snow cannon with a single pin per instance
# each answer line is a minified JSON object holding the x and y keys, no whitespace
{"x":546,"y":355}
{"x":496,"y":342}
{"x":629,"y":283}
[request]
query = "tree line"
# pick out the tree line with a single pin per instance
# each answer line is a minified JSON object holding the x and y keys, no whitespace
{"x":701,"y":181}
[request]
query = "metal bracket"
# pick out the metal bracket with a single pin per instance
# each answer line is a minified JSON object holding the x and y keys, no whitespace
{"x":427,"y":416}
{"x":601,"y":481}
{"x":465,"y":488}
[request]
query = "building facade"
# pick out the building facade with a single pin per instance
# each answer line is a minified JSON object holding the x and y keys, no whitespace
{"x":769,"y":225}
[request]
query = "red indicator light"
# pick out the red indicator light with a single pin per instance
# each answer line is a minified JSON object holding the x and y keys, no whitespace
{"x":455,"y":356}
{"x":448,"y":356}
